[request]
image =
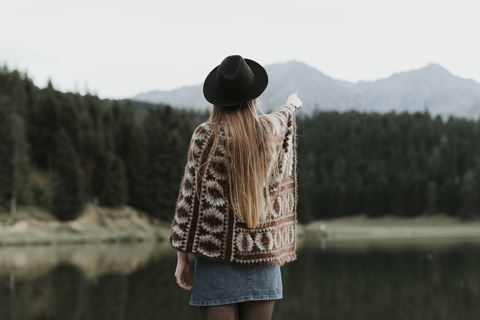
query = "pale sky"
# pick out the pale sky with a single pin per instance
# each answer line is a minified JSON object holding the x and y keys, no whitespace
{"x":118,"y":49}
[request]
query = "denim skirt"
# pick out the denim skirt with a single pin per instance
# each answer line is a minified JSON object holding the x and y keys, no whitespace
{"x":217,"y":283}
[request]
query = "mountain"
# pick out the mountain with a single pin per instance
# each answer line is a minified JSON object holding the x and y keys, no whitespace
{"x":315,"y":89}
{"x":186,"y":97}
{"x":432,"y":87}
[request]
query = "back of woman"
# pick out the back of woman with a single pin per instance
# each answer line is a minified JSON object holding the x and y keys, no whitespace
{"x":236,"y":209}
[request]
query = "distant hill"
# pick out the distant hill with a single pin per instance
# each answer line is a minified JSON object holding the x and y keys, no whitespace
{"x":432,"y":87}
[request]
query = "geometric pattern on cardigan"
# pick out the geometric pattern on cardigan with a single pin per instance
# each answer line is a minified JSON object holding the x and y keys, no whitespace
{"x":204,"y":222}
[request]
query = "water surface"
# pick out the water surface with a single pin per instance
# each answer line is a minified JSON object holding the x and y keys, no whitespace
{"x":404,"y":280}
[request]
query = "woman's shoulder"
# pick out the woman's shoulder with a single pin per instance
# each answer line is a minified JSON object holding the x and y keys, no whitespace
{"x":203,"y":131}
{"x":203,"y":128}
{"x":207,"y":127}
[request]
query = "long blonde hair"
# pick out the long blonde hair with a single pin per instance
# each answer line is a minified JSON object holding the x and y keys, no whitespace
{"x":250,"y":151}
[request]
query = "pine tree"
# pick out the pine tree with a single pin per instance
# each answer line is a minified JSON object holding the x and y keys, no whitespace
{"x":21,"y":169}
{"x":138,"y":168}
{"x":113,"y":188}
{"x":15,"y":165}
{"x":164,"y":158}
{"x":43,"y":124}
{"x":5,"y":153}
{"x":432,"y":198}
{"x":470,"y":196}
{"x":69,"y":198}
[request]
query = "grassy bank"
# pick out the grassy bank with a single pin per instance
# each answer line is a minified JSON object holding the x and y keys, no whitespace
{"x":32,"y":225}
{"x":362,"y":227}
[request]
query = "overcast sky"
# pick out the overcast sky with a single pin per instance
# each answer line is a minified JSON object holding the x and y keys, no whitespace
{"x":120,"y":48}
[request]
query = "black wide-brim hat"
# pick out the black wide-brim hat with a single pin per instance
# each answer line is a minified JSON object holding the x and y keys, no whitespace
{"x":235,"y":81}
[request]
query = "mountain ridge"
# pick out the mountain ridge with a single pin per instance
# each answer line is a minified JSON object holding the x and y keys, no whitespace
{"x":432,"y":88}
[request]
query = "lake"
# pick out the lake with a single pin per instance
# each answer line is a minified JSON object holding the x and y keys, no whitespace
{"x":404,"y":280}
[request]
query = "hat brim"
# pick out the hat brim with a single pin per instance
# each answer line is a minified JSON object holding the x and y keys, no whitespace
{"x":260,"y":82}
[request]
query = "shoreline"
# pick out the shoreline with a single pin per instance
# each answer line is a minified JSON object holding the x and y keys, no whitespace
{"x":127,"y":225}
{"x":390,"y":227}
{"x":95,"y":225}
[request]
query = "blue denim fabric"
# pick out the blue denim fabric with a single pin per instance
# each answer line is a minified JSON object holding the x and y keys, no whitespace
{"x":217,"y":283}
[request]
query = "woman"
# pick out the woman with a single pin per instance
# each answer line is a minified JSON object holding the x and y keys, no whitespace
{"x":236,"y":209}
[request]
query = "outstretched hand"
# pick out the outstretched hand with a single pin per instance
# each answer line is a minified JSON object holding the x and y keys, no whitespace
{"x":294,"y":100}
{"x":182,"y":272}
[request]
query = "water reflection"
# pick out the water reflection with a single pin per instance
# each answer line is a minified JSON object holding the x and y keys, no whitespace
{"x":31,"y":262}
{"x":419,"y":279}
{"x":331,"y":280}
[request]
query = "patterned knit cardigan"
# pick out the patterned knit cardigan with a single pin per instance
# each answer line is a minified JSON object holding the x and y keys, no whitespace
{"x":204,"y":222}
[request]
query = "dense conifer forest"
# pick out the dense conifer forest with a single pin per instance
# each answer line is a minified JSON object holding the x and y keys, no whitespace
{"x":61,"y":150}
{"x":403,"y":164}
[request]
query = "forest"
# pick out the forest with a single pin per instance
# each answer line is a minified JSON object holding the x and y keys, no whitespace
{"x":60,"y":151}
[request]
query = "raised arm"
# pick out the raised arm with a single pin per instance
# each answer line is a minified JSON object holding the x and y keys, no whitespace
{"x":285,"y":114}
{"x":294,"y":101}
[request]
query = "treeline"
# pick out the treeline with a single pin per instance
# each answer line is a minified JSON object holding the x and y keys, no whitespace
{"x":376,"y":164}
{"x":62,"y":150}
